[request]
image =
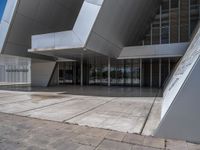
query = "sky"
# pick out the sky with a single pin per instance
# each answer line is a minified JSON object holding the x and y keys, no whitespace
{"x":2,"y":7}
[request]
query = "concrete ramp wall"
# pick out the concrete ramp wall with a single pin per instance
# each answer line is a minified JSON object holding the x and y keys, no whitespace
{"x":181,"y":106}
{"x":41,"y":72}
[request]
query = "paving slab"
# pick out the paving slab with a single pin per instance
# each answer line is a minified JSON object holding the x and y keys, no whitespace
{"x":121,"y":114}
{"x":32,"y":104}
{"x":154,"y":118}
{"x":116,"y":136}
{"x":5,"y":94}
{"x":154,"y":142}
{"x":22,"y":133}
{"x":106,"y":108}
{"x":176,"y":145}
{"x":68,"y":109}
{"x":134,"y":139}
{"x":113,"y":145}
{"x":14,"y":99}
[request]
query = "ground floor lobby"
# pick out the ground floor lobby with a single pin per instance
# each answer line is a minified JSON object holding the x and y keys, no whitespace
{"x":104,"y":71}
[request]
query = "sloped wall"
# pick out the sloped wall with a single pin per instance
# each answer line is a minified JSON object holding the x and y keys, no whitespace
{"x":41,"y":72}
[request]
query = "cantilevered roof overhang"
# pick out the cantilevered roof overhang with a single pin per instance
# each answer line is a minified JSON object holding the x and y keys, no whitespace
{"x":102,"y":26}
{"x":24,"y":18}
{"x":114,"y":25}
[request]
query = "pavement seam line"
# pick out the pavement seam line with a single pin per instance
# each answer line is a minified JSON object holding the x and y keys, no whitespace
{"x":148,"y":115}
{"x":16,"y":102}
{"x":88,"y":110}
{"x":45,"y":106}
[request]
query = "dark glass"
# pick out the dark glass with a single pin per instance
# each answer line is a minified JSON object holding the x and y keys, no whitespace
{"x":128,"y":72}
{"x":156,"y":35}
{"x":174,"y":3}
{"x":136,"y":72}
{"x":92,"y":72}
{"x":146,"y":72}
{"x":164,"y":70}
{"x":120,"y":72}
{"x":155,"y":72}
{"x":104,"y":72}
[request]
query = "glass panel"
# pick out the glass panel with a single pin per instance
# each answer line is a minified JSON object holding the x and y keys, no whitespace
{"x":174,"y":21}
{"x":184,"y":20}
{"x":194,"y":14}
{"x":92,"y":72}
{"x":155,"y":72}
{"x":146,"y":72}
{"x":156,"y":35}
{"x":113,"y":72}
{"x":104,"y":71}
{"x":128,"y":72}
{"x":164,"y":70}
{"x":120,"y":72}
{"x":136,"y":72}
{"x":165,"y":22}
{"x":66,"y":73}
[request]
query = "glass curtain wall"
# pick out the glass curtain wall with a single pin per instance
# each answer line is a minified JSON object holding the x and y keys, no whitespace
{"x":68,"y":72}
{"x":175,"y":21}
{"x":130,"y":72}
{"x":98,"y":71}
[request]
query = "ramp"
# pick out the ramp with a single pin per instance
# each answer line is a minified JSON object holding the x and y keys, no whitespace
{"x":180,"y":117}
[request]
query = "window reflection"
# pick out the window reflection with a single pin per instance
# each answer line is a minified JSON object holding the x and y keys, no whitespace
{"x":174,"y":22}
{"x":130,"y":72}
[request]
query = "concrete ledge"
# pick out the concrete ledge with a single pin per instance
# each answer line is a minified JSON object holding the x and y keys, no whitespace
{"x":154,"y":51}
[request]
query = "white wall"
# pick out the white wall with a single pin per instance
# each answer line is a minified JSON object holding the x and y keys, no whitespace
{"x":41,"y":72}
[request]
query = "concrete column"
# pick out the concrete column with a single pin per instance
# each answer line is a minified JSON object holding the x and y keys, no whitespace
{"x":81,"y":70}
{"x":140,"y":72}
{"x":151,"y":73}
{"x":160,"y":71}
{"x":58,"y":73}
{"x":169,"y":66}
{"x":109,"y":71}
{"x":74,"y":72}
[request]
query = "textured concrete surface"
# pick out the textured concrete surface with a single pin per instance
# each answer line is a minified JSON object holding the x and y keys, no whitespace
{"x":153,"y":120}
{"x":104,"y":108}
{"x":24,"y":133}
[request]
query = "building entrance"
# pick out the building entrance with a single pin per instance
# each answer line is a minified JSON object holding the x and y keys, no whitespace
{"x":132,"y":72}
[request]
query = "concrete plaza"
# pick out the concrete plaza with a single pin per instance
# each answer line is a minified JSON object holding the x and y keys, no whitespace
{"x":131,"y":110}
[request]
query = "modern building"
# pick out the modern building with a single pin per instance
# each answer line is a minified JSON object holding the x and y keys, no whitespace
{"x":137,"y":43}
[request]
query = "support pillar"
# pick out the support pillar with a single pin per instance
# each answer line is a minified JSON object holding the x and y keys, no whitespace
{"x":74,"y":73}
{"x":109,"y":71}
{"x":141,"y":72}
{"x":160,"y":72}
{"x":81,"y":81}
{"x":169,"y":66}
{"x":151,"y":73}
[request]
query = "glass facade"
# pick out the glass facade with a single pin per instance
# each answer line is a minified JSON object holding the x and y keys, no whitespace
{"x":174,"y":22}
{"x":14,"y":70}
{"x":130,"y":72}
